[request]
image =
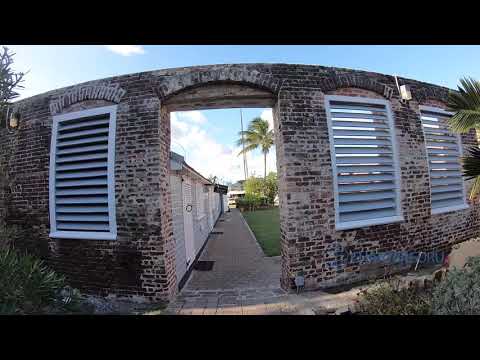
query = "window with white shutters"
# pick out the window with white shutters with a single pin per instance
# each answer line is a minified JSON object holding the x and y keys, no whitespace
{"x":364,"y":162}
{"x":444,"y":150}
{"x":82,"y":186}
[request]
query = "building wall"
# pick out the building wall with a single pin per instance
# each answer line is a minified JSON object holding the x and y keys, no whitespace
{"x":178,"y":225}
{"x":141,"y":262}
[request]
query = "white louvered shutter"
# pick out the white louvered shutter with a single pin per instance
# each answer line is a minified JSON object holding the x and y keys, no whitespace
{"x":444,"y":151}
{"x":82,"y":201}
{"x":364,"y":160}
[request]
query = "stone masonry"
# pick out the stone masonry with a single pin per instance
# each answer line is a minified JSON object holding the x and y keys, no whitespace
{"x":140,"y":264}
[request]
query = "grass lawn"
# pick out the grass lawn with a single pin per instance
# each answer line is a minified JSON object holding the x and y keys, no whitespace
{"x":265,"y":224}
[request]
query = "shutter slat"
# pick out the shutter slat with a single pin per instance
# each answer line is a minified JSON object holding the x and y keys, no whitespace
{"x":86,"y":157}
{"x":364,"y":160}
{"x":366,"y":196}
{"x":89,"y":191}
{"x":447,"y":195}
{"x":446,"y":203}
{"x":87,"y":165}
{"x":441,"y":152}
{"x":441,"y":173}
{"x":80,"y":183}
{"x":82,"y":200}
{"x":364,"y":215}
{"x":364,"y":178}
{"x":364,"y":169}
{"x":82,"y":226}
{"x":446,"y":181}
{"x":353,"y":141}
{"x":82,"y":209}
{"x":377,"y":133}
{"x":341,"y":105}
{"x":83,"y":174}
{"x":442,"y":189}
{"x":365,"y":187}
{"x":360,"y":124}
{"x":82,"y":149}
{"x":346,"y":115}
{"x":368,"y":206}
{"x":362,"y":150}
{"x":90,"y":140}
{"x":83,"y":133}
{"x":83,"y":218}
{"x":84,"y":124}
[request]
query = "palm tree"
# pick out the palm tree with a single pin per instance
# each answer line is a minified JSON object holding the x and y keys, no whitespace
{"x":258,"y":135}
{"x":466,"y":107}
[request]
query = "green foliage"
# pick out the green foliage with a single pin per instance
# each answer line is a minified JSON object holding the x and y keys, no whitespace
{"x":257,"y":136}
{"x":471,"y":169}
{"x":465,"y":103}
{"x":266,"y":188}
{"x":271,"y":187}
{"x":250,"y":201}
{"x":459,"y":292}
{"x":28,"y":286}
{"x":10,"y":81}
{"x":388,"y":298}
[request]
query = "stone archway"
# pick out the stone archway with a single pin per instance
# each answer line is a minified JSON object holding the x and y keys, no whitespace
{"x":200,"y":91}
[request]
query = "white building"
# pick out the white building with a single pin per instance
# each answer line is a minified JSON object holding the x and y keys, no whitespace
{"x":197,"y":204}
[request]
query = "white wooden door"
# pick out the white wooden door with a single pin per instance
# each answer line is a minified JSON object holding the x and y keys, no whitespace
{"x":188,"y":221}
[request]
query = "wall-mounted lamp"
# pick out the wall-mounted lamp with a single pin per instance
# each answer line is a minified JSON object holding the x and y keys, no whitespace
{"x":405,"y":92}
{"x":14,"y":120}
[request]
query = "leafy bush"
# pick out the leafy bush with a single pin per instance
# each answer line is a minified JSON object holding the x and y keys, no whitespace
{"x":250,"y":201}
{"x":388,"y":298}
{"x":27,"y":285}
{"x":459,"y":292}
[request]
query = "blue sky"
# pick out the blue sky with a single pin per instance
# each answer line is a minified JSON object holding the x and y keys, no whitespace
{"x":214,"y":131}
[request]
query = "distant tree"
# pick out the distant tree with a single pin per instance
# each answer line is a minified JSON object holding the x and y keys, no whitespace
{"x":270,"y":187}
{"x":465,"y":103}
{"x":10,"y":81}
{"x":258,"y":135}
{"x":254,"y":186}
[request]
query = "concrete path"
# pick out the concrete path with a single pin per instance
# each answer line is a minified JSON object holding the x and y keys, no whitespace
{"x":239,"y":261}
{"x":244,"y":281}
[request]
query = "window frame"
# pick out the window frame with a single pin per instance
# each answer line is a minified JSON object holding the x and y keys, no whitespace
{"x":396,"y":164}
{"x":85,"y":235}
{"x":445,"y":209}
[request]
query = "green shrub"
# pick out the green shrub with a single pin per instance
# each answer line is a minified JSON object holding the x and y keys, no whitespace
{"x":28,"y":286}
{"x":387,"y":298}
{"x":250,"y":201}
{"x":459,"y":292}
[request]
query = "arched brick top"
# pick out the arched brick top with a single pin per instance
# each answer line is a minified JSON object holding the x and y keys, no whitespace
{"x":423,"y":94}
{"x":356,"y":81}
{"x":171,"y":85}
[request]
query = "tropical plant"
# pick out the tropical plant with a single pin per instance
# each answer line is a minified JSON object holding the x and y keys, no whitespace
{"x":258,"y":135}
{"x":389,"y":298}
{"x":459,"y":292}
{"x":465,"y":103}
{"x":10,"y":81}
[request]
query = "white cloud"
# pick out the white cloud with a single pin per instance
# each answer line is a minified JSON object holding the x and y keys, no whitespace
{"x":268,"y":115}
{"x":208,"y":156}
{"x":126,"y":50}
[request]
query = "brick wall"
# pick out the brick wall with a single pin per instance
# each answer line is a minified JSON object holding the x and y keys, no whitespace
{"x":141,"y":262}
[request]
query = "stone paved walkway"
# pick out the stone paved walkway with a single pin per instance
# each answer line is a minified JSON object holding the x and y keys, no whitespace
{"x":243,"y":281}
{"x":260,"y":302}
{"x":239,"y":261}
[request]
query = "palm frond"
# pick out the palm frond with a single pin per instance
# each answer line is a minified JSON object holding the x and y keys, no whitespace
{"x":248,"y":148}
{"x":464,"y":120}
{"x":471,"y":169}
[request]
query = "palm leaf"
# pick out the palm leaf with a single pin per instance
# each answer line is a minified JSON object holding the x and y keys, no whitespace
{"x":466,"y":104}
{"x":471,"y":169}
